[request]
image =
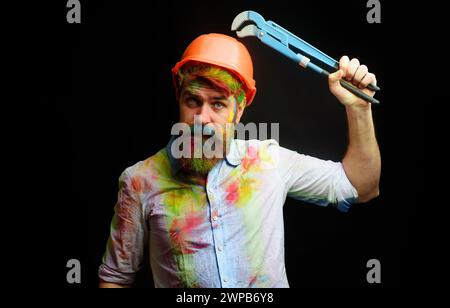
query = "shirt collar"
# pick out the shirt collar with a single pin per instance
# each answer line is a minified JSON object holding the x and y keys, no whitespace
{"x":174,"y":163}
{"x":234,"y":156}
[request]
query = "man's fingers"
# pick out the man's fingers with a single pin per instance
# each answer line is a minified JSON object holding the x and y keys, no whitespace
{"x":343,"y":64}
{"x":351,"y":69}
{"x":361,"y":72}
{"x":368,"y":79}
{"x":354,"y":72}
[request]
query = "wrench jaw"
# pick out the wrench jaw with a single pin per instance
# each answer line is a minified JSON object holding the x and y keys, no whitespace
{"x":249,"y":30}
{"x":240,"y":19}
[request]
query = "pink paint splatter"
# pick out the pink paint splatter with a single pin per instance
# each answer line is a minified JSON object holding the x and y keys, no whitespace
{"x":183,"y":231}
{"x":252,"y":280}
{"x":250,"y":158}
{"x":233,"y":192}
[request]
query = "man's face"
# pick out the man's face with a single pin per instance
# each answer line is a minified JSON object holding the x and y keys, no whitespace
{"x":215,"y":109}
{"x":212,"y":105}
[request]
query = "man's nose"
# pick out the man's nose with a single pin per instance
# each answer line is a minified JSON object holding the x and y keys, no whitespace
{"x":205,"y":113}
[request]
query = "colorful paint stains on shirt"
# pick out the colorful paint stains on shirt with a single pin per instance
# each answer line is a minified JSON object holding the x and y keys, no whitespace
{"x":227,"y":232}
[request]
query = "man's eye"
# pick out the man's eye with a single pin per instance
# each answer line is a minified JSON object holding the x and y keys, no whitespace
{"x":218,"y":105}
{"x":191,"y":102}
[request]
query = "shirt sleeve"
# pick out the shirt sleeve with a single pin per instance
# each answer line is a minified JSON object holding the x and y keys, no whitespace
{"x":316,"y":181}
{"x":126,"y":244}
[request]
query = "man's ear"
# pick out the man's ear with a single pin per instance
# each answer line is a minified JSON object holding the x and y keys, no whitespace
{"x":240,"y":111}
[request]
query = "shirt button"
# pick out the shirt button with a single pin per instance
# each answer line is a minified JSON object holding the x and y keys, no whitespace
{"x":219,"y":248}
{"x":225,"y":280}
{"x":215,"y":217}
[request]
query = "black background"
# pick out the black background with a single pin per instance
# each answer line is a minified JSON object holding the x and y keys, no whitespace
{"x":103,"y":100}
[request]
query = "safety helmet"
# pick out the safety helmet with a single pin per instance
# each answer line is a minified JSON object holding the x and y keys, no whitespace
{"x":223,"y":51}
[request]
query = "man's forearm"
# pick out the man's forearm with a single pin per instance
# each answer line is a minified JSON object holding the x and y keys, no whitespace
{"x":104,"y":284}
{"x":362,"y":162}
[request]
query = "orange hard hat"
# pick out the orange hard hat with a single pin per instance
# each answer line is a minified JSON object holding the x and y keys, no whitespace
{"x":223,"y":51}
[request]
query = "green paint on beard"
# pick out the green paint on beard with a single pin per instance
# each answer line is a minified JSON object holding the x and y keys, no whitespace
{"x":201,"y":166}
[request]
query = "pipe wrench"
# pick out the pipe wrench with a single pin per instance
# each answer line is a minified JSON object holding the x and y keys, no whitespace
{"x":280,"y":39}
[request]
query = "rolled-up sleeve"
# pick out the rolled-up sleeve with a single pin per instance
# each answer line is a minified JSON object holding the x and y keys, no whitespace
{"x":317,"y":181}
{"x":125,"y":248}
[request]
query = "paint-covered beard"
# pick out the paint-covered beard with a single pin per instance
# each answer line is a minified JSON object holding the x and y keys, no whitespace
{"x":207,"y":150}
{"x":198,"y":166}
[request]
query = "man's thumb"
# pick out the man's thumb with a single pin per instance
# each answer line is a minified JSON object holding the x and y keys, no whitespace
{"x":335,"y":77}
